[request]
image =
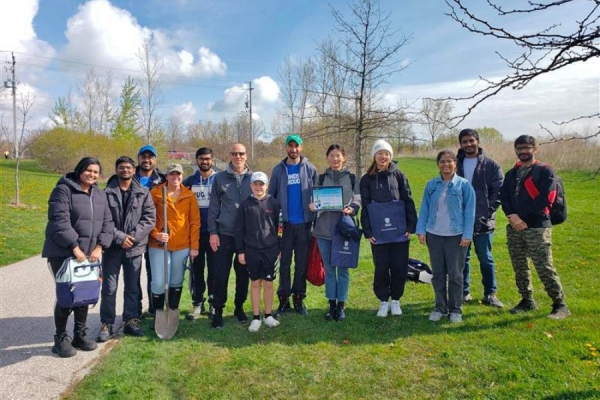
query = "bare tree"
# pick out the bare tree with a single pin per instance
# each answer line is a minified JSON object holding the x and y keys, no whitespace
{"x":289,"y":95}
{"x":435,"y":117}
{"x":152,"y":96}
{"x":175,"y":132}
{"x":24,"y":107}
{"x":543,"y":51}
{"x":369,"y":55}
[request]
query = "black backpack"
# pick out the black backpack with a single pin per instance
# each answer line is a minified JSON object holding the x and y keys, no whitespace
{"x":558,"y":208}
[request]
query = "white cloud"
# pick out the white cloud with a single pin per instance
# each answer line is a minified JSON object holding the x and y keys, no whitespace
{"x":265,"y":93}
{"x":16,"y":29}
{"x":186,"y":112}
{"x":103,"y":34}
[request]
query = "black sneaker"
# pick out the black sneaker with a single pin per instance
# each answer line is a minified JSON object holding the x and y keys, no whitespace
{"x":217,"y":320}
{"x":240,"y":315}
{"x":132,"y":327}
{"x":62,"y":346}
{"x":83,"y":341}
{"x":284,"y":306}
{"x":559,"y":311}
{"x":299,"y":305}
{"x":105,"y":333}
{"x":524,"y":306}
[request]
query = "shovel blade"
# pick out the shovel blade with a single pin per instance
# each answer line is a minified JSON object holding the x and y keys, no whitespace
{"x":166,"y":323}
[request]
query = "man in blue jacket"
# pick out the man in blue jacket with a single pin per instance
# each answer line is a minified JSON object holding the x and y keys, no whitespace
{"x":485,"y":175}
{"x":134,"y":216}
{"x":292,"y":181}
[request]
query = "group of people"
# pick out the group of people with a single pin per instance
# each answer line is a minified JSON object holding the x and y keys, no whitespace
{"x":214,"y":220}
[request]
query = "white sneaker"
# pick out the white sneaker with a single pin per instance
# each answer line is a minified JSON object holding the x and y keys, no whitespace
{"x":384,"y":308}
{"x":395,"y":307}
{"x":271,"y":322}
{"x":455,"y":317}
{"x":255,"y":325}
{"x":436,"y":316}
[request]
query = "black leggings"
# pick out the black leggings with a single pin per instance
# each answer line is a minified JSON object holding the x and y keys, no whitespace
{"x":61,"y":315}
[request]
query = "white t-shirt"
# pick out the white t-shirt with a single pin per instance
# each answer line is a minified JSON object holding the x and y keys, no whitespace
{"x":469,"y":165}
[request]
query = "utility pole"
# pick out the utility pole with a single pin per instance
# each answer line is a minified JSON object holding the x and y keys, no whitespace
{"x":12,"y":84}
{"x":250,"y":115}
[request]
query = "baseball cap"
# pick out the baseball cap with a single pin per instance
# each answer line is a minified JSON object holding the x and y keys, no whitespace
{"x":174,"y":168}
{"x":149,"y":148}
{"x":293,"y":137}
{"x":259,"y":176}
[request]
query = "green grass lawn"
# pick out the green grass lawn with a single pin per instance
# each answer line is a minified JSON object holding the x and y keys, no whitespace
{"x":491,"y":355}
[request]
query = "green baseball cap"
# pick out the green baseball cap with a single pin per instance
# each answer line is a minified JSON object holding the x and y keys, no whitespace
{"x":293,"y":137}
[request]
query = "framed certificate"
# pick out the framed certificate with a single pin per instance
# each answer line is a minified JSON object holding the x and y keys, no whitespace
{"x":328,"y":198}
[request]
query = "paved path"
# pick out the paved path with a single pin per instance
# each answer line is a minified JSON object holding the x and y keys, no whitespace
{"x":28,"y":368}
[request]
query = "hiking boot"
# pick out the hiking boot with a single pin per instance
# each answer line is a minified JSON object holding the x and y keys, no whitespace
{"x":217,"y":320}
{"x":62,"y":346}
{"x":559,"y":311}
{"x":455,"y":317}
{"x":105,"y":333}
{"x":83,"y":341}
{"x":524,"y":306}
{"x":195,"y":314}
{"x":332,"y":313}
{"x":467,"y":298}
{"x":340,"y":312}
{"x":255,"y":325}
{"x":395,"y":307}
{"x":435,"y":316}
{"x":384,"y":309}
{"x":299,"y":305}
{"x":132,"y":327}
{"x":271,"y":322}
{"x":284,"y":305}
{"x":492,"y":300}
{"x":240,"y":315}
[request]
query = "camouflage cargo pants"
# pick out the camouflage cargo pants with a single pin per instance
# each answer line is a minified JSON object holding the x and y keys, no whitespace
{"x":535,"y":243}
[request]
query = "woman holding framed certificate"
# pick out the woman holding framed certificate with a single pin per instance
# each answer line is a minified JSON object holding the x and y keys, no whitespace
{"x":388,"y":217}
{"x":337,"y":279}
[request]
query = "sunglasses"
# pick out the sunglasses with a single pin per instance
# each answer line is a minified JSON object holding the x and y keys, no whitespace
{"x":237,"y":153}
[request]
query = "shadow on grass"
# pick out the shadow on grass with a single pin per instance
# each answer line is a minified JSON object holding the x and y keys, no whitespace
{"x":585,"y":394}
{"x":360,"y":327}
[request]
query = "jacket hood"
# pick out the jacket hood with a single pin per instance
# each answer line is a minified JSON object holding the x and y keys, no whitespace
{"x":391,"y":169}
{"x":303,"y":160}
{"x":336,"y":174}
{"x":72,"y":181}
{"x":461,"y":153}
{"x":231,"y":172}
{"x":113,"y":182}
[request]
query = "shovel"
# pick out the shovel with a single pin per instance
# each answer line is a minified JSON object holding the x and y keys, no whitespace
{"x":166,"y":321}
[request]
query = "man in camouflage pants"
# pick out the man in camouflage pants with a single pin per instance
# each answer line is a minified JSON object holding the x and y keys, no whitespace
{"x":526,"y":202}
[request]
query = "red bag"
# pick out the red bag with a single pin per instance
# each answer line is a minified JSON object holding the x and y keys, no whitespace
{"x":315,"y":272}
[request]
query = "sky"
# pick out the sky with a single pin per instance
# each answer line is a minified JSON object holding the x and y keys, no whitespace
{"x":211,"y":49}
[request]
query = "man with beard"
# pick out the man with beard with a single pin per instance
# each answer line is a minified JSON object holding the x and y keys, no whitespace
{"x":134,"y":216}
{"x":291,"y":184}
{"x":200,"y":183}
{"x":485,"y":175}
{"x":229,"y":189}
{"x":528,"y":191}
{"x":148,"y":175}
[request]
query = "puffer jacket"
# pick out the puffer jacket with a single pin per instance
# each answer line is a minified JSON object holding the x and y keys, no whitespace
{"x":76,"y":218}
{"x":383,"y":187}
{"x":487,"y":182}
{"x":140,"y":216}
{"x":326,"y":220}
{"x":183,"y":220}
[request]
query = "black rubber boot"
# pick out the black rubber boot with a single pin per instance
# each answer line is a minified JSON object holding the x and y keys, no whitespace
{"x":62,"y":345}
{"x":299,"y":305}
{"x":284,"y":305}
{"x":217,"y":320}
{"x":332,"y":313}
{"x":81,"y":338}
{"x":158,"y":300}
{"x":174,"y":297}
{"x":341,"y":311}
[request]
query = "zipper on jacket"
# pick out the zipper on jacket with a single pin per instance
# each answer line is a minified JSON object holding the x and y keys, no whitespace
{"x":92,"y":221}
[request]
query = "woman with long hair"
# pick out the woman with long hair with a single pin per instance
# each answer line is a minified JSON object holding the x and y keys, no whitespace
{"x":79,"y":225}
{"x":181,"y":239}
{"x":337,"y":279}
{"x":446,"y":222}
{"x":385,"y":183}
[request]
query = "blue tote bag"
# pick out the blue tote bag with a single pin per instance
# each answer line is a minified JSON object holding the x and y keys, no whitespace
{"x":345,"y":247}
{"x":388,"y":221}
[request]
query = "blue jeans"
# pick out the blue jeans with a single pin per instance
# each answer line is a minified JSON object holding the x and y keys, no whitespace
{"x":337,"y":279}
{"x":175,"y":272}
{"x":483,"y":249}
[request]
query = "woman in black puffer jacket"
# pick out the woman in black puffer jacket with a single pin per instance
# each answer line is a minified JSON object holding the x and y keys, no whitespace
{"x":79,"y":225}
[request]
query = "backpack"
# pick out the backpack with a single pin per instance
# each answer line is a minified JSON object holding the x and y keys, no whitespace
{"x":352,"y":180}
{"x":558,"y":199}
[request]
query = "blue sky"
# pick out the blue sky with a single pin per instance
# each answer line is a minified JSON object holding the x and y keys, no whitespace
{"x":230,"y":42}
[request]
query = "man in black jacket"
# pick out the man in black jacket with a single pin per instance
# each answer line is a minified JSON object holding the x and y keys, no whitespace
{"x":527,"y":193}
{"x":485,"y":175}
{"x":134,"y":216}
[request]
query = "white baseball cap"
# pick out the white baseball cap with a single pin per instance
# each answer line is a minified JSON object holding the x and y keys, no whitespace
{"x":259,"y":176}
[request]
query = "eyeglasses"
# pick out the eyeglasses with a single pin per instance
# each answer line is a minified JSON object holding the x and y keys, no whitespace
{"x":237,"y":153}
{"x":524,"y":148}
